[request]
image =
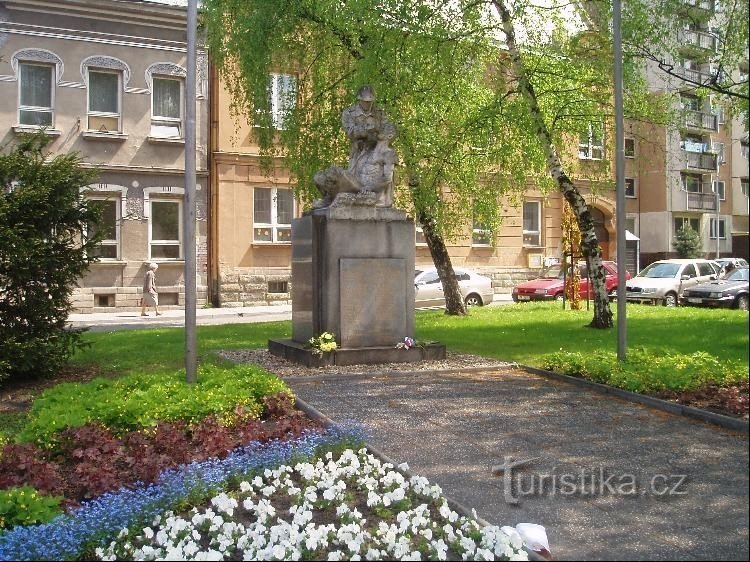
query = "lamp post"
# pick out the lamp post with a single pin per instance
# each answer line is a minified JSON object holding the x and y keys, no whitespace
{"x":619,"y":182}
{"x":191,"y":363}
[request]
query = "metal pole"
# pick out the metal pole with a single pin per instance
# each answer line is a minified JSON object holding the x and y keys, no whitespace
{"x":191,"y":362}
{"x":619,"y":182}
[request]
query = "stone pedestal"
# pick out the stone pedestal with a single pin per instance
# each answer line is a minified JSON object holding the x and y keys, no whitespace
{"x":352,"y":276}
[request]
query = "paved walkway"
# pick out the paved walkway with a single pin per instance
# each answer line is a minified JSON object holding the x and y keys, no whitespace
{"x":452,"y":428}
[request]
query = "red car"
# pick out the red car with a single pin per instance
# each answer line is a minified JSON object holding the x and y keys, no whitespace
{"x":550,"y":285}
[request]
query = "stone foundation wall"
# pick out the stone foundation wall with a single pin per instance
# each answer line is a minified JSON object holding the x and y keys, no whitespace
{"x":255,"y":286}
{"x":128,"y":299}
{"x":505,"y":278}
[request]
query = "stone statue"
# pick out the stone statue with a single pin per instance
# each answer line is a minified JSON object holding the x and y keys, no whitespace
{"x":368,"y":179}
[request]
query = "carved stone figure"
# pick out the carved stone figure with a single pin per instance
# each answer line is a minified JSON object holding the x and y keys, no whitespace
{"x":371,"y":159}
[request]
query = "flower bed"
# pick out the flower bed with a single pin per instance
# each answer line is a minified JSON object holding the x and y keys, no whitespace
{"x":97,"y":522}
{"x":91,"y":460}
{"x":348,"y":508}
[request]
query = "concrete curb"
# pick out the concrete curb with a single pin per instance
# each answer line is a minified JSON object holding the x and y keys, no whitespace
{"x":394,"y":372}
{"x":688,"y":411}
{"x":456,"y":506}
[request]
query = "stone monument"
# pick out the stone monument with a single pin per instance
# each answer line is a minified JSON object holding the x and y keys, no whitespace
{"x":353,"y":255}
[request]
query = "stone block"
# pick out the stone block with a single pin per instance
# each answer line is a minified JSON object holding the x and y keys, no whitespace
{"x":232,"y":304}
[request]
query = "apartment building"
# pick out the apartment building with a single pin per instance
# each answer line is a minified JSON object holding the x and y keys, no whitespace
{"x":106,"y":79}
{"x":693,"y":174}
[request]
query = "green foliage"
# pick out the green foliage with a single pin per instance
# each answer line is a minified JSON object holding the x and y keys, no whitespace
{"x":141,"y":400}
{"x":26,"y":506}
{"x":648,"y":372}
{"x":43,"y":250}
{"x":687,"y":242}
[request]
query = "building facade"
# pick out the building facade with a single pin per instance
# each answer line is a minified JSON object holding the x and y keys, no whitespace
{"x":106,"y":79}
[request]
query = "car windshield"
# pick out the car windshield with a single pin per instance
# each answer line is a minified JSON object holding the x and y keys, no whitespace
{"x":417,"y":272}
{"x":660,"y":270}
{"x":556,"y":272}
{"x":739,"y":275}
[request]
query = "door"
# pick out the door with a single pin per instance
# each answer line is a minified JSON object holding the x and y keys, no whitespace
{"x":428,"y":290}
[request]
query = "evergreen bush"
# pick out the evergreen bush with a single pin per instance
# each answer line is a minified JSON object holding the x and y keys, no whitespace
{"x":44,"y":249}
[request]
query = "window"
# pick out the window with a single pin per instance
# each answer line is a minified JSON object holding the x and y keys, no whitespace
{"x":165,"y":229}
{"x":282,"y":93}
{"x":693,"y":143}
{"x":680,"y":222}
{"x":720,"y":186}
{"x":718,"y":148}
{"x":692,"y":183}
{"x":691,"y":103}
{"x":745,"y":186}
{"x":629,"y":148}
{"x":480,"y":234}
{"x":630,"y":224}
{"x":35,"y":94}
{"x":630,"y":187}
{"x":722,"y":229}
{"x":166,"y":107}
{"x":705,"y":269}
{"x":532,"y":223}
{"x":273,"y":210}
{"x":744,"y":148}
{"x":591,"y":143}
{"x":419,"y":237}
{"x":689,"y":270}
{"x":109,"y":226}
{"x":104,"y":101}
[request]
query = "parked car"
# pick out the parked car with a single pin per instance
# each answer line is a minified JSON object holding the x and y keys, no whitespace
{"x":476,"y":289}
{"x":664,"y":281}
{"x":728,"y":264}
{"x":730,"y":292}
{"x":549,"y":285}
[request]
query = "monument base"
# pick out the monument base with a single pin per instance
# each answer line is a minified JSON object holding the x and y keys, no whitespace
{"x":298,"y":353}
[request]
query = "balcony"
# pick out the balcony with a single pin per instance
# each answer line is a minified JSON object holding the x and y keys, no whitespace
{"x":693,"y":39}
{"x":700,"y":120}
{"x":693,"y":75}
{"x":701,"y":201}
{"x":704,"y":161}
{"x":706,"y":6}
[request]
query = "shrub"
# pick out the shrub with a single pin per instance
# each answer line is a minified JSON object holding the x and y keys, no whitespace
{"x":687,"y":242}
{"x":648,"y":372}
{"x":142,"y":400}
{"x":26,"y":506}
{"x":44,"y":249}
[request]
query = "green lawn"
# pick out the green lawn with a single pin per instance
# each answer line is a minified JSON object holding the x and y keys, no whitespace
{"x":522,"y":333}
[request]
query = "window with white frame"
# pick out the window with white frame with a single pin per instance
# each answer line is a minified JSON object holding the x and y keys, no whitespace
{"x":591,"y":143}
{"x":532,"y":223}
{"x":681,"y":222}
{"x":166,"y":107}
{"x":745,"y":186}
{"x":273,"y":210}
{"x":419,"y":237}
{"x":720,"y":187}
{"x":108,"y":226}
{"x":36,"y":94}
{"x":745,"y":148}
{"x":722,"y":229}
{"x":165,"y":229}
{"x":630,"y":188}
{"x":282,"y":97}
{"x":104,"y":99}
{"x":629,"y":148}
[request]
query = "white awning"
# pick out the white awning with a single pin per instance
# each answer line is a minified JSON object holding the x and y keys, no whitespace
{"x":630,"y":236}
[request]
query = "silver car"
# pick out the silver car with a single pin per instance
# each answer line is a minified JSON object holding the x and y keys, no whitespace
{"x":476,"y":289}
{"x":664,"y":281}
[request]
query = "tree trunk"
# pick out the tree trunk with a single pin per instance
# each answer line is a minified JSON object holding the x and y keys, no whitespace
{"x":454,"y":302}
{"x":589,"y":244}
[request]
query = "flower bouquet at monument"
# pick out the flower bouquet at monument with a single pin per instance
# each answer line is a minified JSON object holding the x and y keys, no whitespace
{"x":324,"y":343}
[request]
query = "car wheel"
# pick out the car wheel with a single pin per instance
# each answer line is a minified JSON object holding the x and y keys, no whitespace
{"x":742,"y":302}
{"x":559,"y":297}
{"x":670,"y":299}
{"x":515,"y":298}
{"x":473,"y":300}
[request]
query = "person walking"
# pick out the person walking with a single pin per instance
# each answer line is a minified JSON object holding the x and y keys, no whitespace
{"x":150,"y":294}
